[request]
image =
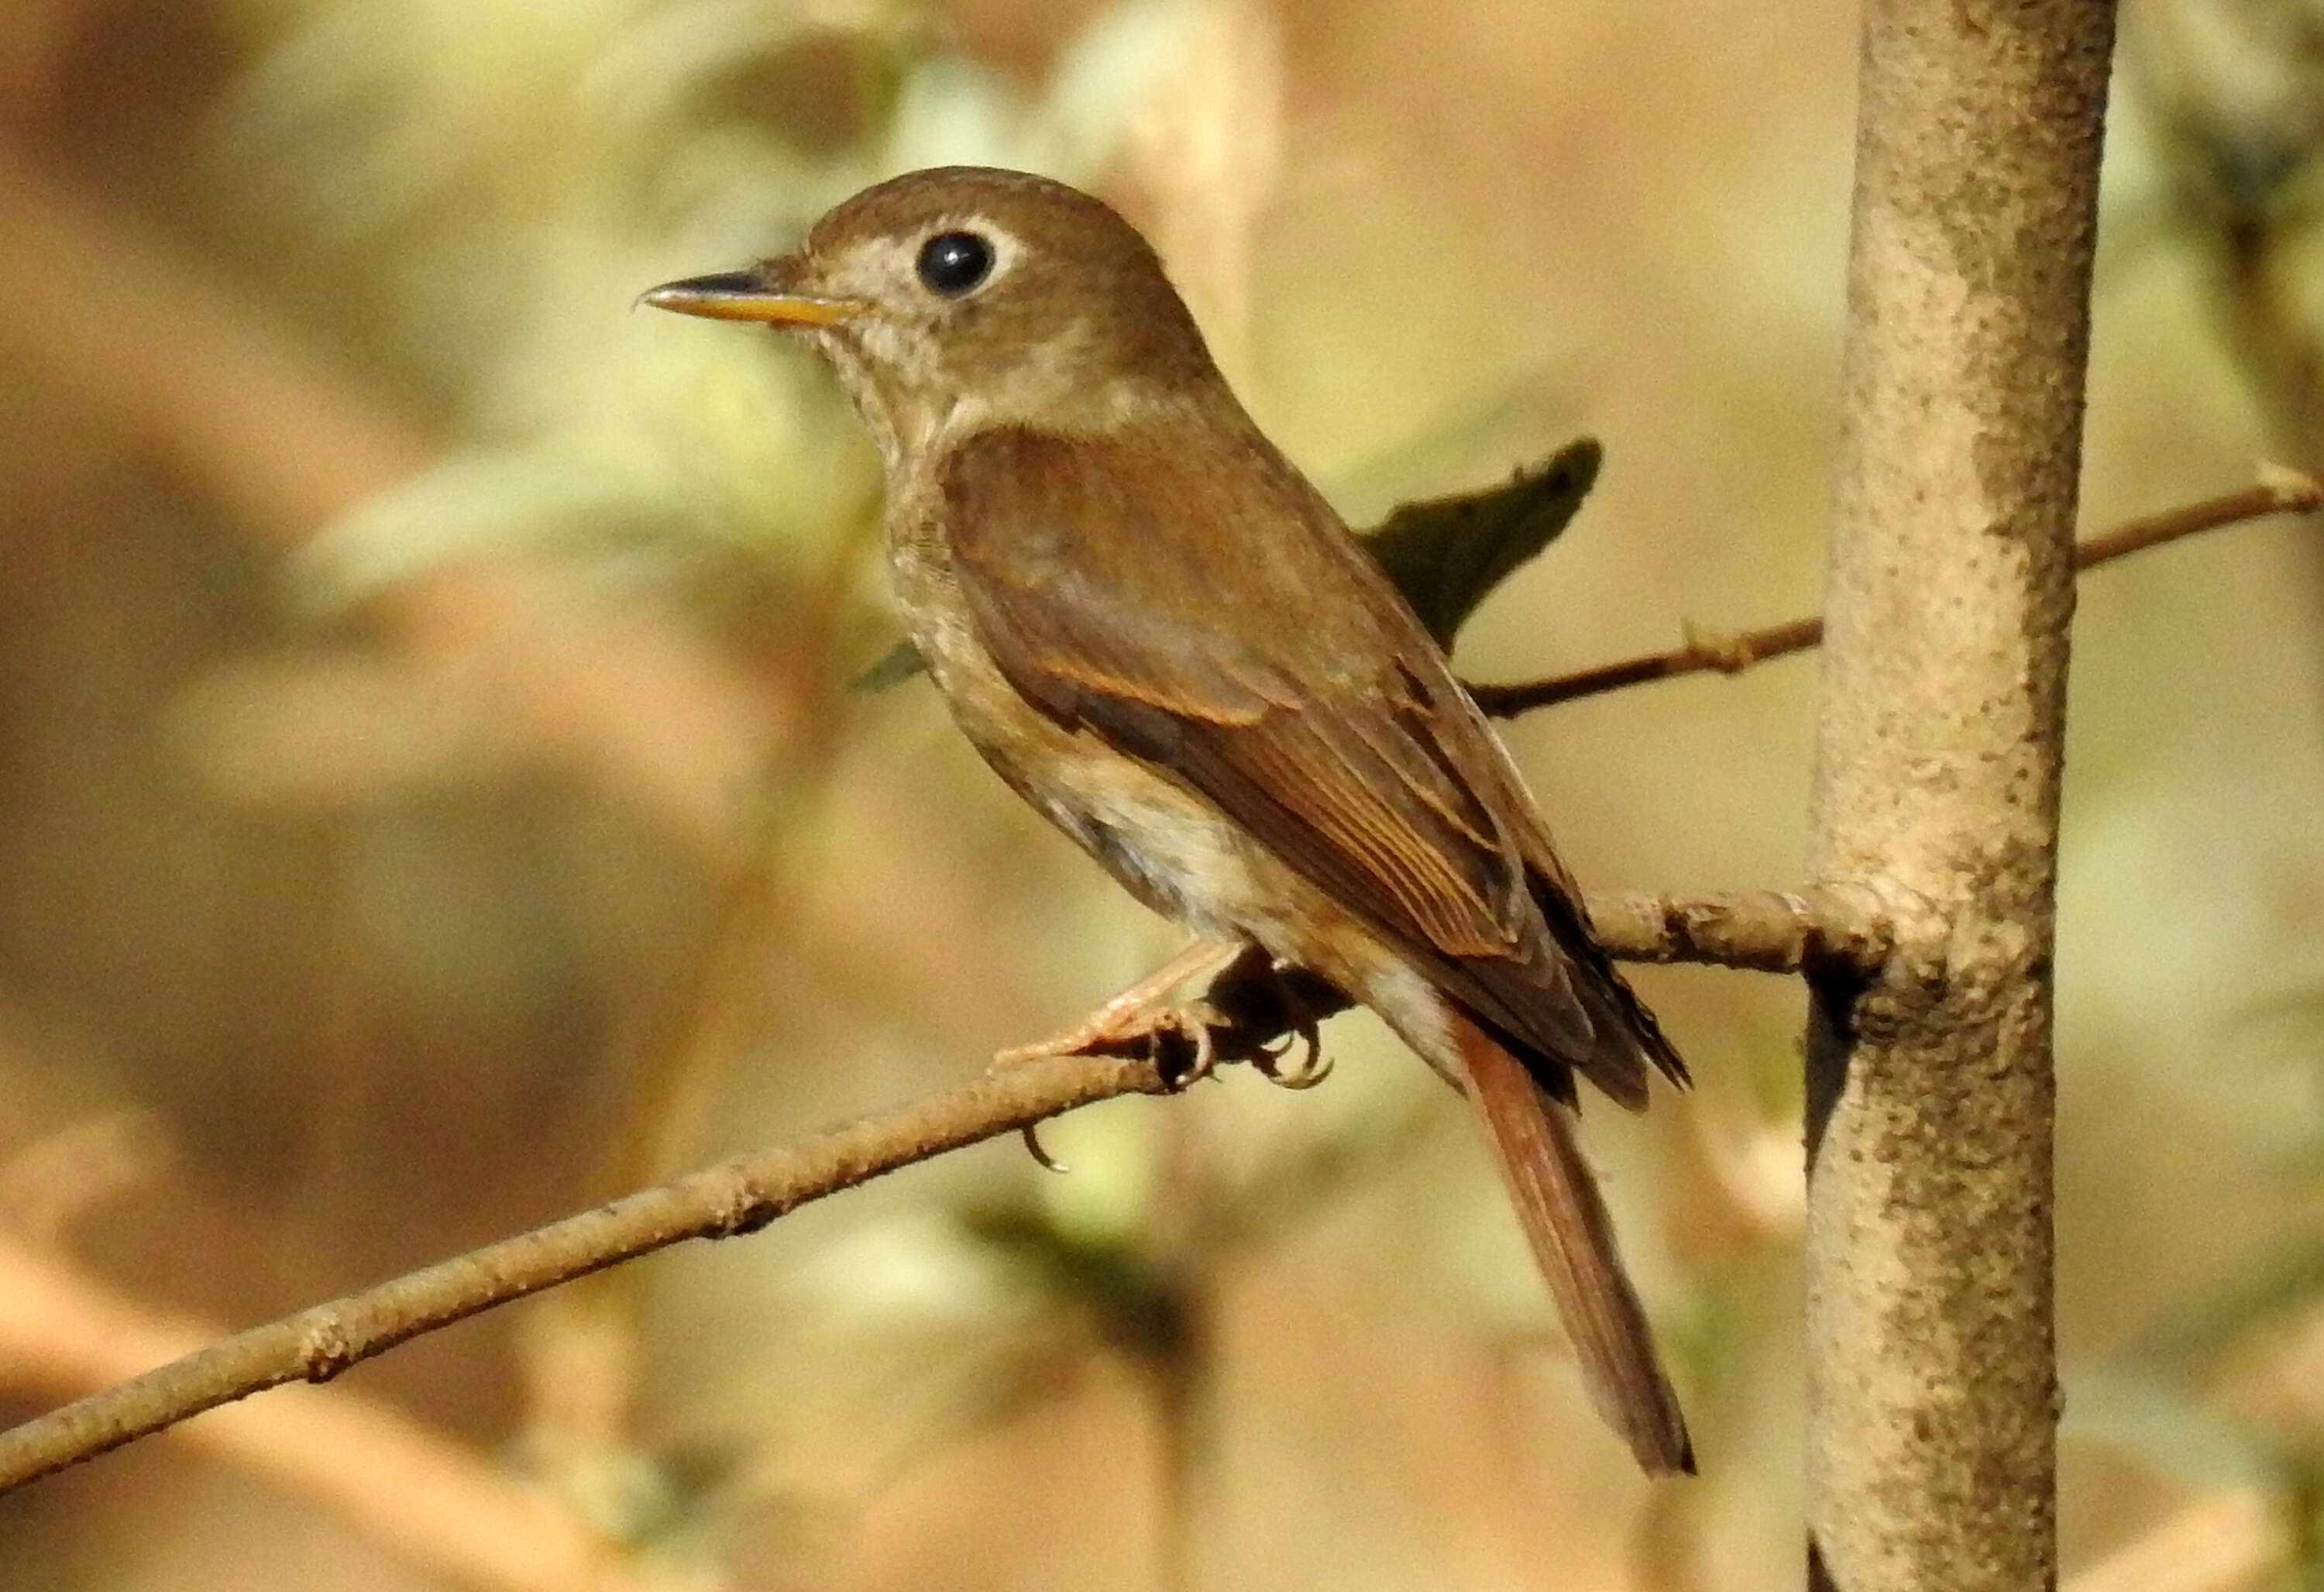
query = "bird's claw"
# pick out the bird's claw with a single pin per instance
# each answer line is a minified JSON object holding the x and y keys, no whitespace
{"x":1312,"y":1067}
{"x":1195,"y":1024}
{"x":1031,"y":1134}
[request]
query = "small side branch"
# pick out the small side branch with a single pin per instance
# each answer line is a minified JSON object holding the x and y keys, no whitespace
{"x":1822,"y":928}
{"x":2278,"y":490}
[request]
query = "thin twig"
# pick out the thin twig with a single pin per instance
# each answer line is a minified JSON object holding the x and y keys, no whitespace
{"x":2278,"y":490}
{"x":1755,"y":929}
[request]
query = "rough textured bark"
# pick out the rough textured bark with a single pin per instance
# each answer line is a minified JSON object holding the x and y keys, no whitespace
{"x":1932,"y":1369}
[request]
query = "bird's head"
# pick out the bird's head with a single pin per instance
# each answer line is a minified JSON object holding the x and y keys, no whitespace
{"x":960,"y":296}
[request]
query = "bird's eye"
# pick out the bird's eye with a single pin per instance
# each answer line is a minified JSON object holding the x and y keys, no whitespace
{"x":955,"y":262}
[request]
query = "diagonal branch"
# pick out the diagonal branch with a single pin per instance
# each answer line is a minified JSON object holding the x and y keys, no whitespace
{"x":2278,"y":490}
{"x":739,"y":1195}
{"x":1779,"y":932}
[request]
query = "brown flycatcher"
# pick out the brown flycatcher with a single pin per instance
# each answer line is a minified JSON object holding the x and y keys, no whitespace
{"x":1164,"y":639}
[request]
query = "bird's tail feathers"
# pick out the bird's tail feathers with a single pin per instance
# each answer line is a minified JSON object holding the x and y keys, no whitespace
{"x":1572,"y":1239}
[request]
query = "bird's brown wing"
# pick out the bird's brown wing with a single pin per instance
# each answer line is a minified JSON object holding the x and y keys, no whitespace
{"x":1275,"y":673}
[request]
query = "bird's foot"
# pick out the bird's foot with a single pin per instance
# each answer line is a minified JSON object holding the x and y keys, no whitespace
{"x":1251,"y":1008}
{"x":1274,"y":1011}
{"x":1176,"y":1035}
{"x":1147,"y":1018}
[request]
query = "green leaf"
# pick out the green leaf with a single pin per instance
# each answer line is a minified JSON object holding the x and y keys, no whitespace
{"x":1445,"y":555}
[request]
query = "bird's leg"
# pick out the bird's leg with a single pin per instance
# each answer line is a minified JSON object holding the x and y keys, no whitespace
{"x":1144,"y":1015}
{"x":1273,"y":1010}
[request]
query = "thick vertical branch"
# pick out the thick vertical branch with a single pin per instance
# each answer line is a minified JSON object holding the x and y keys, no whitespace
{"x":1932,"y":1380}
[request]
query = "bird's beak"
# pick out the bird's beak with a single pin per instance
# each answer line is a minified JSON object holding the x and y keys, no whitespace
{"x":743,"y":295}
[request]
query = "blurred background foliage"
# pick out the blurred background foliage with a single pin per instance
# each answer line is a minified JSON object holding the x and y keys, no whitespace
{"x":433,"y":800}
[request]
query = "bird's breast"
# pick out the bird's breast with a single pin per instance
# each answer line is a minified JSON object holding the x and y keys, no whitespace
{"x":1167,"y":846}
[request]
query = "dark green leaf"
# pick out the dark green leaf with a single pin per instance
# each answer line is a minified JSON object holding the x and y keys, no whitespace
{"x":1447,"y":555}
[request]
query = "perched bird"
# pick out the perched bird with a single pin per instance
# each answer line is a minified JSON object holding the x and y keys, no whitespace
{"x":1158,"y":633}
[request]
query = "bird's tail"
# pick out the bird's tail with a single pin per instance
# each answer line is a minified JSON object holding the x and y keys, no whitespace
{"x":1572,"y":1239}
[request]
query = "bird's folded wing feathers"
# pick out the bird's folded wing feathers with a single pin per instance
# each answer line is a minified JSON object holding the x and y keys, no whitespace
{"x":1334,"y":734}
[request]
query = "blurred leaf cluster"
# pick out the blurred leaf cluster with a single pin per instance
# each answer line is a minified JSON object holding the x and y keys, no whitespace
{"x":491,"y":187}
